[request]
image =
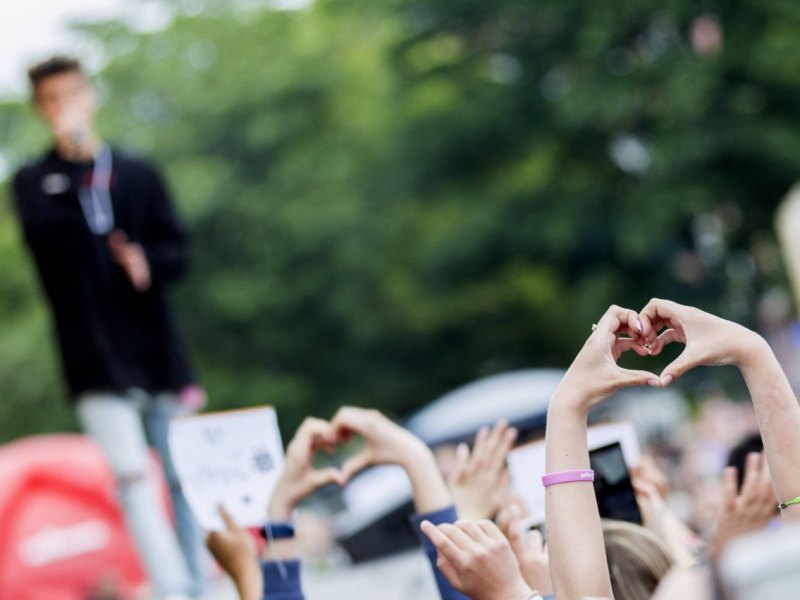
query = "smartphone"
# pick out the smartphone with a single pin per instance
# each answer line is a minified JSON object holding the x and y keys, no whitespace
{"x":612,"y":485}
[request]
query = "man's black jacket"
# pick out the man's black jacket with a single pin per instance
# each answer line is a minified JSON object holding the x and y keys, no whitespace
{"x":111,"y":337}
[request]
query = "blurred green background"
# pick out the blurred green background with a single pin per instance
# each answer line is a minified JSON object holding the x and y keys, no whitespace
{"x":391,"y":198}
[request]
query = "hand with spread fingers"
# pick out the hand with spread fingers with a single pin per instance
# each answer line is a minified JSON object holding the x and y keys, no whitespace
{"x":480,"y":479}
{"x":237,"y":553}
{"x":709,"y":340}
{"x":387,"y":443}
{"x":299,"y":477}
{"x":477,"y":560}
{"x":595,"y":374}
{"x":745,"y":510}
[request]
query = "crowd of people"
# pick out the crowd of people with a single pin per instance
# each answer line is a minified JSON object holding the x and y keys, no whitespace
{"x":106,"y":241}
{"x":472,"y":530}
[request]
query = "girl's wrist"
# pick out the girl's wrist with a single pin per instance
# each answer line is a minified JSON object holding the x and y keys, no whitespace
{"x":522,"y":591}
{"x":753,"y":354}
{"x":280,"y":508}
{"x":574,"y":404}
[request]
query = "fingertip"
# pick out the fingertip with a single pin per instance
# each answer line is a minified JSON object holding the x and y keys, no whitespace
{"x":340,"y":478}
{"x":644,"y":487}
{"x":433,"y":533}
{"x":462,"y":451}
{"x":730,"y":481}
{"x":667,"y":379}
{"x":754,"y":457}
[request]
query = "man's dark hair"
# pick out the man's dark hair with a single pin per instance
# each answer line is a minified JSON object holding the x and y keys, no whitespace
{"x":53,"y":66}
{"x":738,"y":454}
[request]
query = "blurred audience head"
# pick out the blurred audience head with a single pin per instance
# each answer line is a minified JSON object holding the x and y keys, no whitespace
{"x":637,"y":559}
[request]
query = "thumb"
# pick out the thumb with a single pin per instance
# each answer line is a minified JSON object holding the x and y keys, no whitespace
{"x":641,"y":488}
{"x":730,"y":486}
{"x":355,"y":464}
{"x":515,"y":534}
{"x":462,"y":454}
{"x":461,"y":466}
{"x":632,"y":378}
{"x":322,"y":477}
{"x":685,"y":362}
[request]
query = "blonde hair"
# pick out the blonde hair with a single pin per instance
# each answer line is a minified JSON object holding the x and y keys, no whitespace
{"x":637,"y":559}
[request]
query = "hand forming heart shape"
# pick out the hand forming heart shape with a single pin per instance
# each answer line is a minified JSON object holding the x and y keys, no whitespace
{"x":299,"y":478}
{"x":595,"y":374}
{"x":709,"y":340}
{"x":384,"y":443}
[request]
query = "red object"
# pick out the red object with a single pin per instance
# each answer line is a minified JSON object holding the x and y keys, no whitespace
{"x":62,"y":531}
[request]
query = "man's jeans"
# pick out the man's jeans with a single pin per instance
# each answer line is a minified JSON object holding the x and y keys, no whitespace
{"x":115,"y":423}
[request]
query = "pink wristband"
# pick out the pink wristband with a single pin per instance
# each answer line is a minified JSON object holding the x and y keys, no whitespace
{"x":586,"y":475}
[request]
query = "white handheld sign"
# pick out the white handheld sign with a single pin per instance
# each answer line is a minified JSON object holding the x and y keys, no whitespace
{"x":231,"y":459}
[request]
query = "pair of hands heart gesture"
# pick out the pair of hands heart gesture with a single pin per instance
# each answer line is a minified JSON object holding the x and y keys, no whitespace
{"x":384,"y":443}
{"x":709,"y":341}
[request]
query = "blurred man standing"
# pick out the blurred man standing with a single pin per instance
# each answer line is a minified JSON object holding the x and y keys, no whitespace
{"x":106,"y":241}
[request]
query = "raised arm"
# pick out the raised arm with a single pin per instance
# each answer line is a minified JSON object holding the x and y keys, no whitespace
{"x":236,"y":552}
{"x":578,"y":564}
{"x":299,"y":479}
{"x":480,"y":480}
{"x":235,"y":549}
{"x":388,"y":443}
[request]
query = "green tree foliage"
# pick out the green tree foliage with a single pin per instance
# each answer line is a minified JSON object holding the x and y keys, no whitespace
{"x":389,"y":199}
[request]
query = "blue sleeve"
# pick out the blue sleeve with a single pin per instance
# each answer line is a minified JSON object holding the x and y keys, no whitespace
{"x":276,"y":587}
{"x":445,"y":515}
